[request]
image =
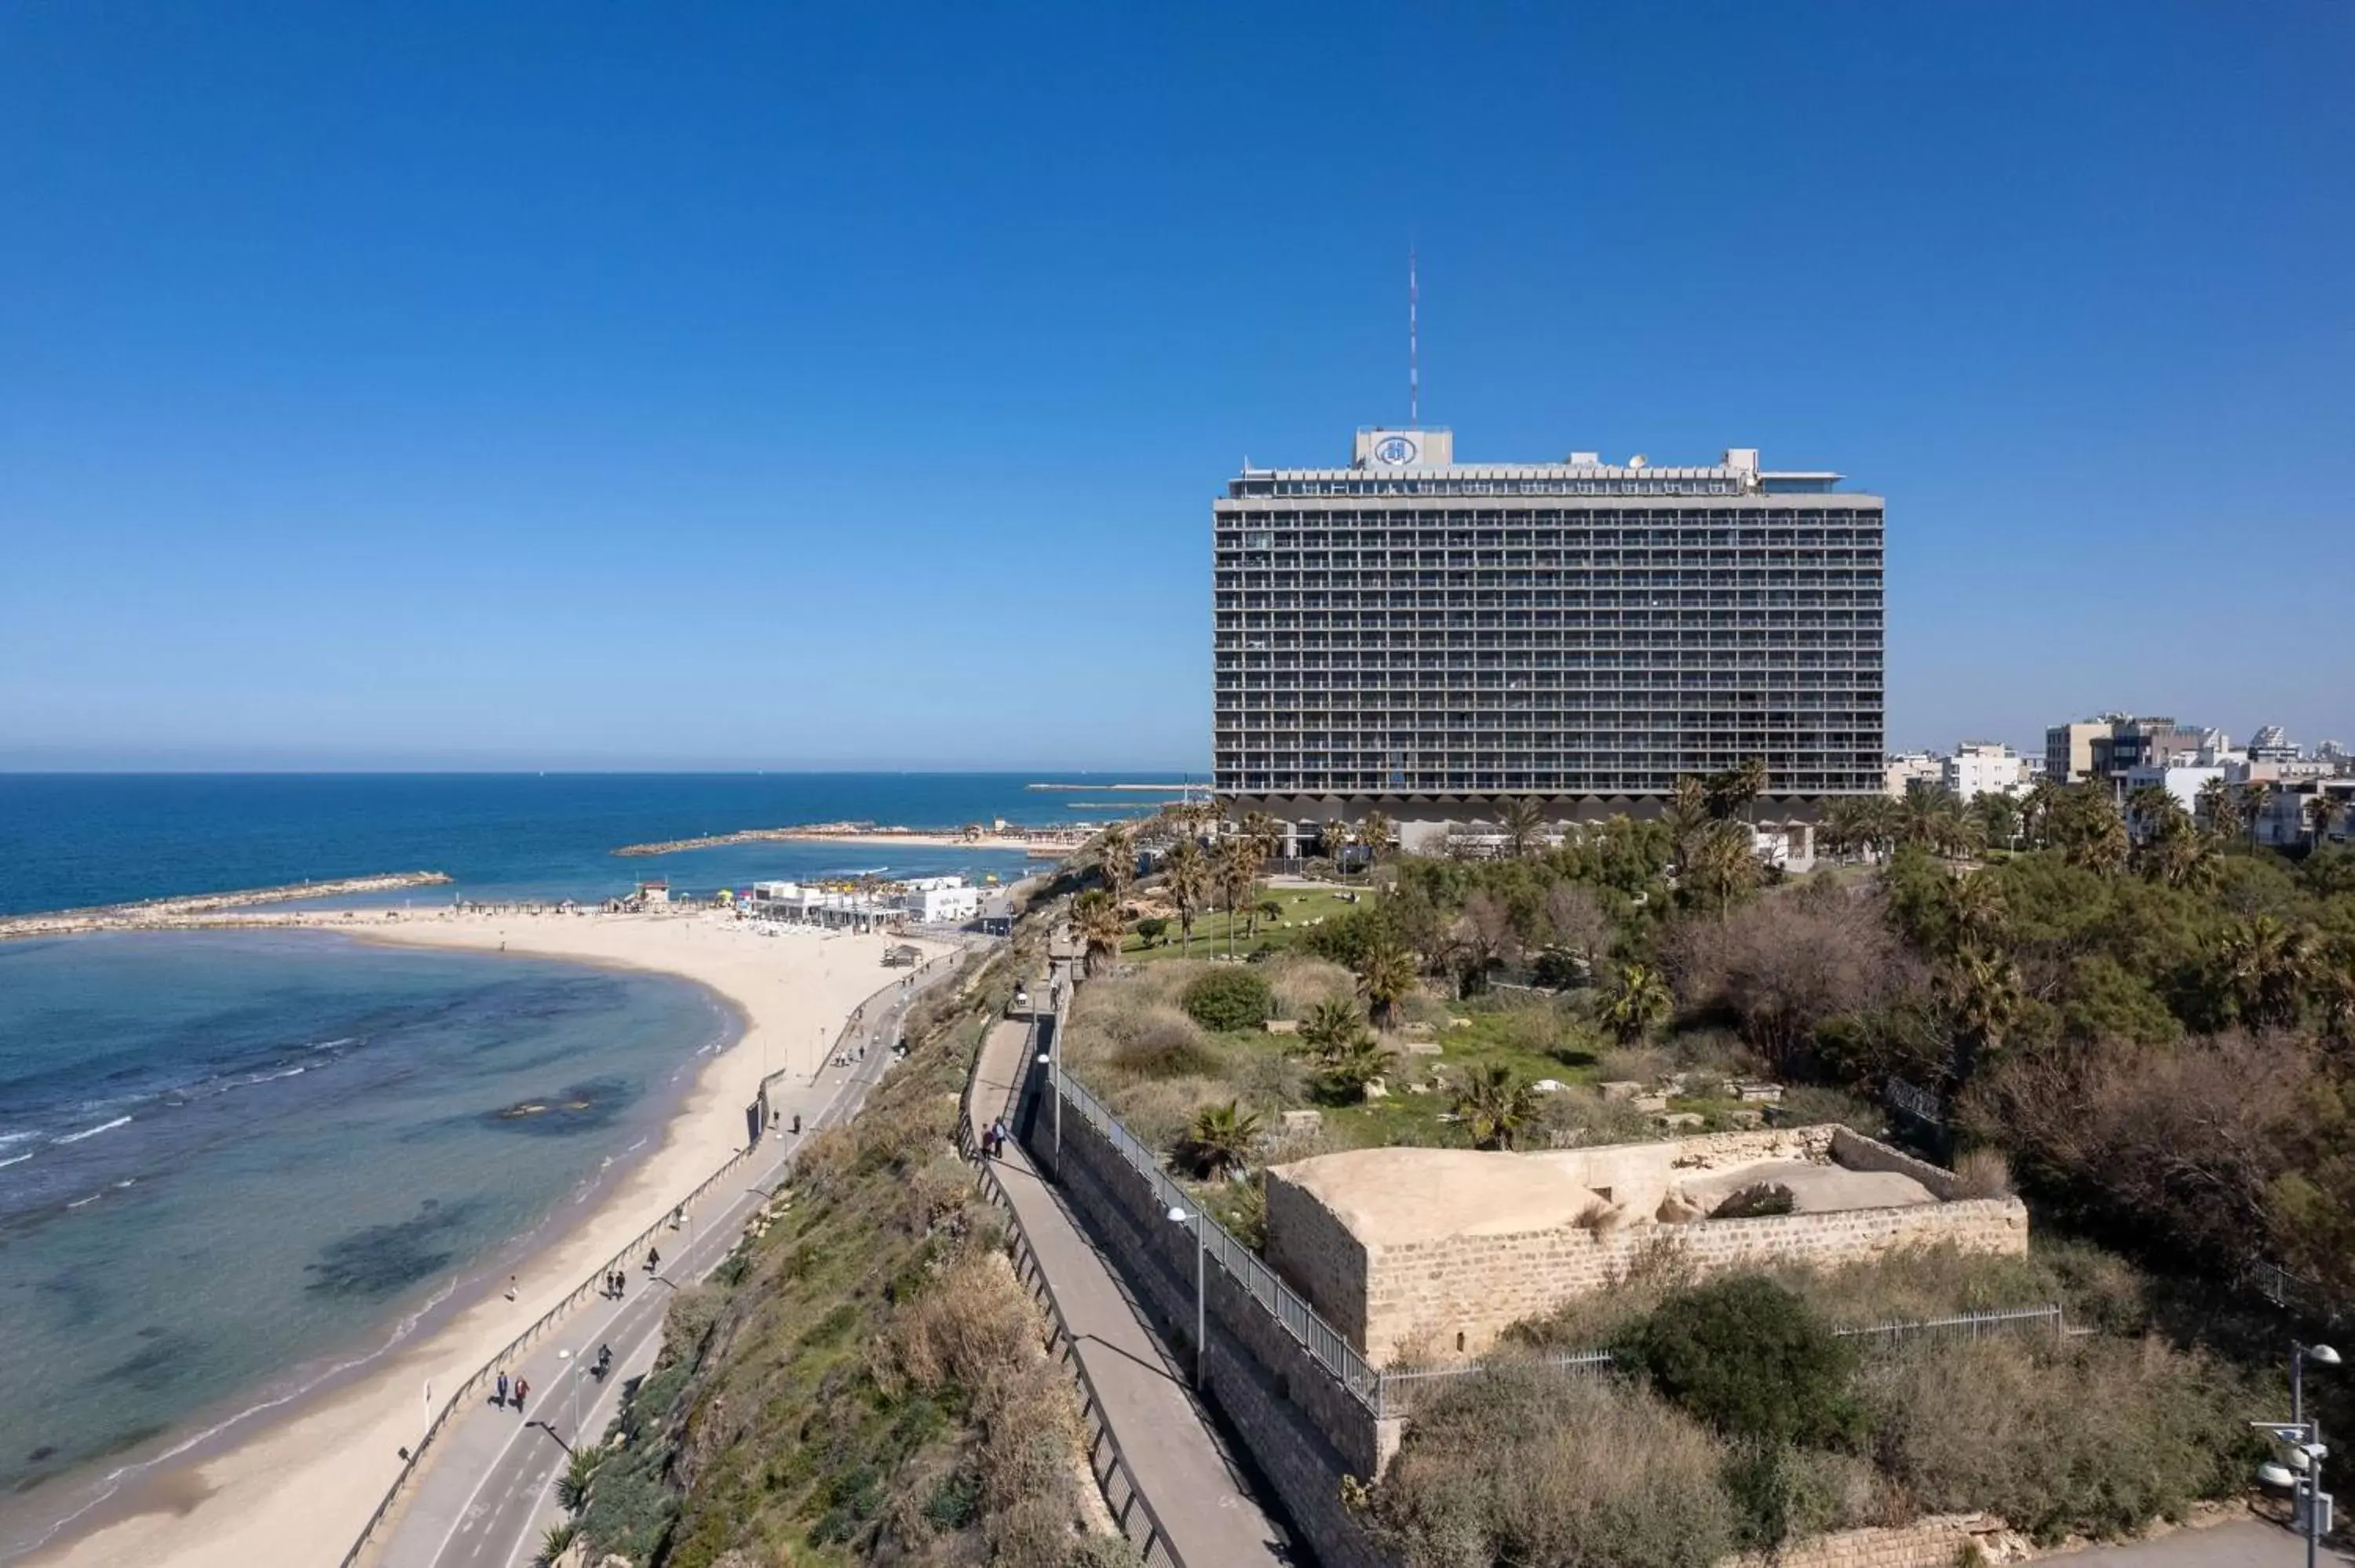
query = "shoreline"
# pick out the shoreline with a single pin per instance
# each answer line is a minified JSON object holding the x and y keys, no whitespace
{"x":298,"y":1486}
{"x":176,"y":911}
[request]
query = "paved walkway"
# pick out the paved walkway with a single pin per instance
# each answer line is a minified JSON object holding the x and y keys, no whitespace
{"x":490,"y":1494}
{"x":2250,"y":1546}
{"x":1163,"y":1432}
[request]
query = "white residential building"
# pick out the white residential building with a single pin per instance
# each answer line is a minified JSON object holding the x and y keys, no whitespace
{"x":2184,"y":782}
{"x":1983,"y":766}
{"x":941,"y":901}
{"x":1908,"y":768}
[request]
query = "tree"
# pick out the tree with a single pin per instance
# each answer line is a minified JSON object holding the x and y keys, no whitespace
{"x":1374,"y":832}
{"x":1639,"y":1003}
{"x":1190,"y":880}
{"x":1748,"y":782}
{"x":1386,"y":978}
{"x":2261,"y":964}
{"x":2320,"y":812}
{"x":1237,"y":868}
{"x":1995,"y":816}
{"x":1723,"y":864}
{"x":1332,"y":838}
{"x":1096,"y":917}
{"x":1265,"y":832}
{"x":1982,"y":999}
{"x":1350,"y":1067}
{"x":2035,"y":810}
{"x":1479,"y":939}
{"x":1752,"y":1360}
{"x":1153,"y":930}
{"x":1330,"y":1025}
{"x":1118,"y":851}
{"x":1686,"y":815}
{"x":1575,"y":923}
{"x":1975,"y":910}
{"x":1524,"y":818}
{"x":2256,"y":799}
{"x":1226,"y":999}
{"x":1220,"y":1138}
{"x":1496,"y":1106}
{"x":2087,"y":829}
{"x":2219,"y":809}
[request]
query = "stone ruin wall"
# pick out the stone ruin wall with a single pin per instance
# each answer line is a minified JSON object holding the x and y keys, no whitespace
{"x":1451,"y":1297}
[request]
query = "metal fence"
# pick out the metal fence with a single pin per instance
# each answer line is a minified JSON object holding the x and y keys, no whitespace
{"x":1323,"y":1342}
{"x":1403,"y":1390}
{"x":469,"y":1392}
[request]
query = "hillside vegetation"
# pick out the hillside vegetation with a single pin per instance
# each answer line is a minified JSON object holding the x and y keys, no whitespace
{"x":863,"y":1380}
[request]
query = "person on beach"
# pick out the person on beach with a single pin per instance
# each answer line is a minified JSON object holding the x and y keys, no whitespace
{"x":501,"y":1397}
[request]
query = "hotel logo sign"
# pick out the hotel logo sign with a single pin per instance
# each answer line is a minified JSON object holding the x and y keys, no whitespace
{"x":1395,"y":451}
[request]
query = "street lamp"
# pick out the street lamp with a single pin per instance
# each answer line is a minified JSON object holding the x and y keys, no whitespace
{"x":2299,"y":1470}
{"x":1179,"y":1215}
{"x":2321,"y":1356}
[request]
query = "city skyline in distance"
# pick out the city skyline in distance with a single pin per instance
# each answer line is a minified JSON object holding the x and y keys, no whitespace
{"x":435,"y":388}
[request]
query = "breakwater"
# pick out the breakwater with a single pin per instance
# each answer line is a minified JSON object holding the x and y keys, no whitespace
{"x":869,"y":833}
{"x":149,"y":912}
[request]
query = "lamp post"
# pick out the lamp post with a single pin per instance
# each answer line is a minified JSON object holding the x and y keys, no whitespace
{"x":1178,"y":1216}
{"x":2321,"y":1356}
{"x":2300,"y":1470}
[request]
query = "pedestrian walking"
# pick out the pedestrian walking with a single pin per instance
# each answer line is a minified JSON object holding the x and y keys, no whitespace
{"x":654,"y":1260}
{"x":521,"y":1388}
{"x":501,"y":1398}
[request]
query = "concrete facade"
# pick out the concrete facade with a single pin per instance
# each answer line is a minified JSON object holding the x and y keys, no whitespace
{"x":1431,"y":1258}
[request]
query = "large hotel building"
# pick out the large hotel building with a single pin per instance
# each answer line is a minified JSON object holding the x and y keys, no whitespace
{"x":1428,"y":637}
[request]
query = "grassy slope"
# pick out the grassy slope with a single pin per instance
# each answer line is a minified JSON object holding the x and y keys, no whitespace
{"x":863,"y":1380}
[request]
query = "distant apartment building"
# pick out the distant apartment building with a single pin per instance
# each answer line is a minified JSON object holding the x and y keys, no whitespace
{"x":1432,"y":638}
{"x":2069,"y":747}
{"x":1983,"y":767}
{"x":1906,"y":771}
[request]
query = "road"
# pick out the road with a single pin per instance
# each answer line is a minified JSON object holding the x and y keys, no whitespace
{"x":489,"y":1496}
{"x":2252,"y":1544}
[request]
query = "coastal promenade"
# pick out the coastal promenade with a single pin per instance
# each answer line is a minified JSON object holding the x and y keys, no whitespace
{"x":490,"y":1495}
{"x":1163,"y":1432}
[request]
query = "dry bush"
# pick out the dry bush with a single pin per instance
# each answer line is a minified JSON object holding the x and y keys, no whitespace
{"x":1520,"y":1463}
{"x":2098,"y":1438}
{"x":1534,"y":1027}
{"x":1160,"y":1041}
{"x":1983,"y":1173}
{"x":1640,"y":1065}
{"x":1159,"y":1110}
{"x":936,"y":1193}
{"x":825,"y":1160}
{"x":1782,"y":965}
{"x":1300,"y":983}
{"x":974,"y":1325}
{"x":1578,"y":1117}
{"x":2178,"y":1145}
{"x":1267,"y":1081}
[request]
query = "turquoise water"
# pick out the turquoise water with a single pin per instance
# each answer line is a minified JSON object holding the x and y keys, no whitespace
{"x":230,"y":1162}
{"x":233,"y":1162}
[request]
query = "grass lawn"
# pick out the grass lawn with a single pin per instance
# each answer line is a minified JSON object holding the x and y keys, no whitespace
{"x":1301,"y":907}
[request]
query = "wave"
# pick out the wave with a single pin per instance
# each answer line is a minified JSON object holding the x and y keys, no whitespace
{"x":8,"y":1138}
{"x":94,"y":1131}
{"x":85,"y":1202}
{"x":14,"y":1159}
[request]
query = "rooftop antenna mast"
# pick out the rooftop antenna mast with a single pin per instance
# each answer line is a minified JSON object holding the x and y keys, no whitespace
{"x":1414,"y":358}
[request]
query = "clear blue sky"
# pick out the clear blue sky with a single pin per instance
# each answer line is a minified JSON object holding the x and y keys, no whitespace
{"x":562,"y":383}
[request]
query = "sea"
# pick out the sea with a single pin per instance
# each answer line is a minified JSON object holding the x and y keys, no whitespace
{"x":236,"y":1166}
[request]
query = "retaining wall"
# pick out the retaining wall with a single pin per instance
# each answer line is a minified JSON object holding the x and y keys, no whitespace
{"x":1303,"y":1430}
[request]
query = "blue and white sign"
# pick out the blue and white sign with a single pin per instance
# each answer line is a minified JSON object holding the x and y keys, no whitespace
{"x":1394,"y":451}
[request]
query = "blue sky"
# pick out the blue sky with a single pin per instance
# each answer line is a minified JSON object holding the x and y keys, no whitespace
{"x":561,"y":385}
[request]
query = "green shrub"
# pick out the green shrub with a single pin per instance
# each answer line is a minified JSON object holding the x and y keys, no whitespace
{"x":1225,"y":999}
{"x":1751,"y":1358}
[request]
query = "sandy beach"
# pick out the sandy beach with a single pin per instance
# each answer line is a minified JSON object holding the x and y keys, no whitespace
{"x":298,"y":1489}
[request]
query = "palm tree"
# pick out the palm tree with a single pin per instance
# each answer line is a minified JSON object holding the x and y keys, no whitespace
{"x":1331,"y":1025}
{"x":1332,"y":838}
{"x":1265,"y":832}
{"x":1386,"y":978}
{"x":2086,"y":826}
{"x":1749,"y":782}
{"x":1982,"y":997}
{"x":1686,"y":814}
{"x":1495,"y":1107}
{"x":1974,"y":909}
{"x":1374,"y":831}
{"x":572,"y":1486}
{"x":1220,"y":1138}
{"x":1118,"y":849}
{"x":2257,"y":795}
{"x":2036,"y":812}
{"x":1523,"y":817}
{"x":2319,"y":813}
{"x":2219,"y":809}
{"x":1349,"y":1068}
{"x":1189,"y":877}
{"x":1095,"y":915}
{"x":1723,"y":864}
{"x":1996,"y":815}
{"x":1640,"y":1002}
{"x":2263,"y":965}
{"x":1237,"y":868}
